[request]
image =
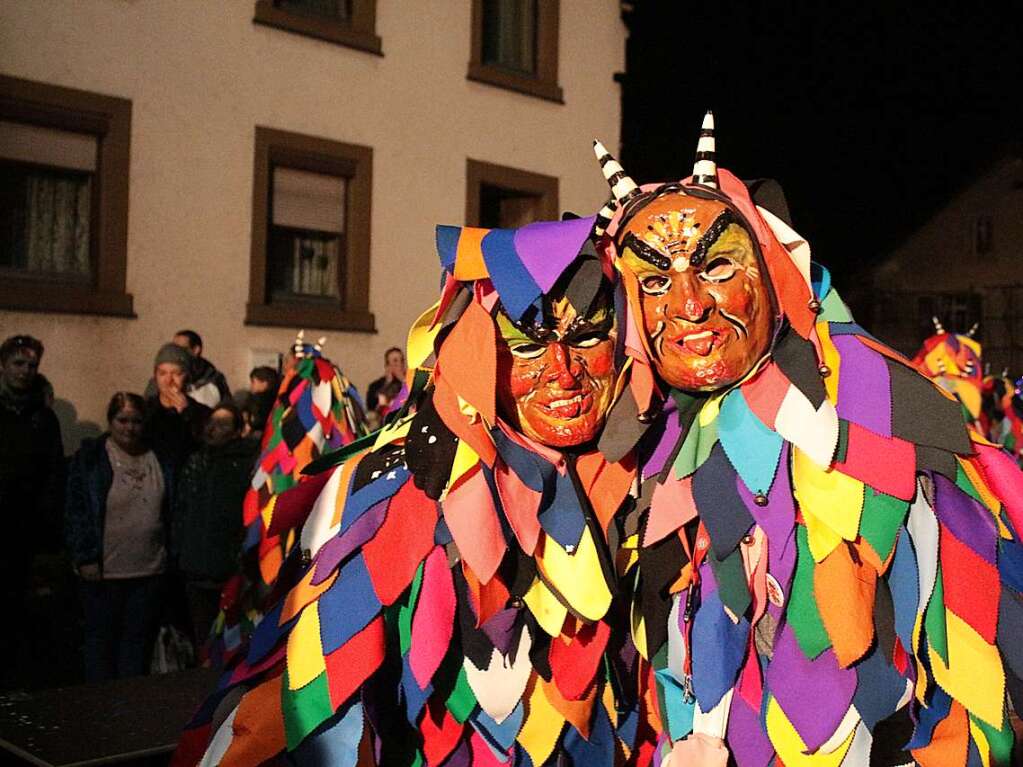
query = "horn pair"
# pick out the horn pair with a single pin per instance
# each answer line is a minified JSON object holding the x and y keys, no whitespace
{"x":624,"y":189}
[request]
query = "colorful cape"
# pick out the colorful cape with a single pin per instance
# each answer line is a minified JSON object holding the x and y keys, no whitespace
{"x":460,"y":606}
{"x":953,"y":362}
{"x":317,"y":410}
{"x":824,"y":545}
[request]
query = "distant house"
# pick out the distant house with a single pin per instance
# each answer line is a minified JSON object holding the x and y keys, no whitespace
{"x":254,"y":167}
{"x":964,"y":266}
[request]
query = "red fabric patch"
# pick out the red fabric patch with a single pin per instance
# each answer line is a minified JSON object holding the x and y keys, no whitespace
{"x":353,"y":662}
{"x":899,"y":657}
{"x":606,"y":484}
{"x":441,"y":732}
{"x":250,"y":507}
{"x":482,"y":755}
{"x":488,"y":599}
{"x":191,"y":747}
{"x":294,"y":504}
{"x":764,"y":393}
{"x":971,"y":585}
{"x":324,"y":370}
{"x":401,"y":543}
{"x":472,"y":519}
{"x":886,"y":464}
{"x":574,"y":664}
{"x":445,"y":400}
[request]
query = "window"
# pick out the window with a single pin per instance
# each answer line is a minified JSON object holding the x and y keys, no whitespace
{"x":310,"y":233}
{"x":63,"y":199}
{"x":498,"y":196}
{"x":983,"y":235}
{"x":515,"y":46}
{"x":956,"y":311}
{"x":351,"y":23}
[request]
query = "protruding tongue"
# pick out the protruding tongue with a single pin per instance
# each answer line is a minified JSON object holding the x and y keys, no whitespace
{"x":699,"y":343}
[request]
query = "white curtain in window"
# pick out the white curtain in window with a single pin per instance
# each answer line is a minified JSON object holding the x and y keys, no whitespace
{"x":314,"y":267}
{"x":57,"y":224}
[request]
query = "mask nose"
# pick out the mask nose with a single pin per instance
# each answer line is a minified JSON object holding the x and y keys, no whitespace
{"x":561,"y":368}
{"x":692,"y":304}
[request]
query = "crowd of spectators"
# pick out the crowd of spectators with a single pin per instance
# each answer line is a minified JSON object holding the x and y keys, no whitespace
{"x":149,"y":512}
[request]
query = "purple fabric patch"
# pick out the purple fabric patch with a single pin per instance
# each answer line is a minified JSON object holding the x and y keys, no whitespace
{"x":337,"y":549}
{"x":864,"y":386}
{"x":672,"y":430}
{"x":547,"y":248}
{"x":814,"y":694}
{"x":500,"y":630}
{"x":777,"y":520}
{"x":967,"y":520}
{"x":746,"y":737}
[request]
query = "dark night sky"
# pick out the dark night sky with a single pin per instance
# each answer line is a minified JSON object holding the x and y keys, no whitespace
{"x":870,"y":115}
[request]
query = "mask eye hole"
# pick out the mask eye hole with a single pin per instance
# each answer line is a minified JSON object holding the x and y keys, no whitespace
{"x":589,"y":340}
{"x":527,"y":350}
{"x":655,"y":284}
{"x":719,"y":270}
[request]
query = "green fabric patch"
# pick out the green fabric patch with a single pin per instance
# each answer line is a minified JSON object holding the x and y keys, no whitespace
{"x":696,"y":448}
{"x":733,"y":590}
{"x":963,"y":483}
{"x":934,"y":619}
{"x":881,"y":520}
{"x":842,"y":448}
{"x":1000,"y":741}
{"x":802,"y":613}
{"x":833,"y":309}
{"x":461,"y":701}
{"x":304,"y":709}
{"x":407,"y":609}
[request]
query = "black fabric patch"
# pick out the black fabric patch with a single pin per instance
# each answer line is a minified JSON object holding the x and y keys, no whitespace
{"x":292,"y":430}
{"x":518,"y":571}
{"x":718,"y":501}
{"x":374,"y":464}
{"x":660,"y":566}
{"x":539,"y":650}
{"x":476,"y":645}
{"x":1015,"y":687}
{"x":921,"y":414}
{"x":1010,"y":630}
{"x":733,"y":590}
{"x":890,"y":736}
{"x":797,"y":359}
{"x":430,"y":450}
{"x":622,"y":430}
{"x":842,"y":448}
{"x":768,"y":194}
{"x":884,"y":620}
{"x":585,"y":281}
{"x":937,"y":460}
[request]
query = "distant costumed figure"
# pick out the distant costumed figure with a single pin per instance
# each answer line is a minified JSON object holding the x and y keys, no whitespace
{"x":462,"y":605}
{"x":317,"y":410}
{"x":954,"y":362}
{"x":825,"y":551}
{"x":1002,"y":412}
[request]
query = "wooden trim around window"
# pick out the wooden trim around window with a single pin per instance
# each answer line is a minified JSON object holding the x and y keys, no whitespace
{"x":544,"y":84}
{"x":360,"y":33}
{"x":108,"y":118}
{"x":479,"y":174}
{"x":319,"y":155}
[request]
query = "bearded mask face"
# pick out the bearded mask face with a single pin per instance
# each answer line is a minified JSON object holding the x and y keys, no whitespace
{"x":691,"y":270}
{"x":555,"y":380}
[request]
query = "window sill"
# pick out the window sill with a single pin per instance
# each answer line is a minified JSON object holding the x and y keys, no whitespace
{"x":298,"y":315}
{"x":320,"y":29}
{"x":512,"y":81}
{"x":31,"y":296}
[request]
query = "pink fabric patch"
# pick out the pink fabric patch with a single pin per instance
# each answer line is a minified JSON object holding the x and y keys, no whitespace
{"x":671,"y":507}
{"x":472,"y":519}
{"x":886,"y":464}
{"x":1005,"y":479}
{"x":521,"y":504}
{"x":434,"y":618}
{"x":764,"y":393}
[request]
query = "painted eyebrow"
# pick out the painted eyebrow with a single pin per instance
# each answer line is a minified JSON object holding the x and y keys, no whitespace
{"x":717,"y":227}
{"x":645,"y":252}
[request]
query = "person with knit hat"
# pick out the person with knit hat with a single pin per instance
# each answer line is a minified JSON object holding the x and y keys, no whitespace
{"x":828,"y":568}
{"x":174,"y":421}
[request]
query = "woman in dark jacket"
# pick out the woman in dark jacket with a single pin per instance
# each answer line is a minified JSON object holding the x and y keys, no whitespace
{"x":116,"y":518}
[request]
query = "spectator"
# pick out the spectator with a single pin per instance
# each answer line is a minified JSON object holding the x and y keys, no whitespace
{"x":263,"y":385}
{"x":116,"y":517}
{"x":31,"y":471}
{"x":174,"y":420}
{"x":206,"y":384}
{"x":385,"y":389}
{"x":208,"y":514}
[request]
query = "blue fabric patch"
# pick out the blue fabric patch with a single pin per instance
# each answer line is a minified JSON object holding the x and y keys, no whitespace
{"x":628,"y":726}
{"x":879,"y":687}
{"x":335,"y":742}
{"x":414,"y":698}
{"x":304,"y":408}
{"x":929,"y":718}
{"x":1010,"y":563}
{"x":447,"y":245}
{"x":679,"y":713}
{"x":1010,"y":630}
{"x":267,"y":634}
{"x":721,"y":507}
{"x":561,"y":517}
{"x":501,"y":736}
{"x":904,"y":583}
{"x":599,"y":750}
{"x":718,"y":649}
{"x":534,"y":472}
{"x":253,"y":534}
{"x":820,"y":277}
{"x":384,"y":486}
{"x":752,"y":448}
{"x":347,"y":607}
{"x":847,"y":329}
{"x":510,"y":277}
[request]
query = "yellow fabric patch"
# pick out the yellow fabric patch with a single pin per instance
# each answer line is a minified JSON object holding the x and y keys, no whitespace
{"x":711,"y":409}
{"x":577,"y":576}
{"x":421,"y":336}
{"x":346,"y":475}
{"x":831,"y":503}
{"x":975,"y":678}
{"x":393,"y":432}
{"x":305,"y":653}
{"x":990,"y":499}
{"x":542,"y":724}
{"x":832,"y":360}
{"x":546,"y":608}
{"x":983,"y":747}
{"x":791,"y":748}
{"x":465,"y":459}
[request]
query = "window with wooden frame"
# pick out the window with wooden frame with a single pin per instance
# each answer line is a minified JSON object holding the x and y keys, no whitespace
{"x":515,"y":46}
{"x":501,"y":197}
{"x":310,"y":233}
{"x":351,"y":23}
{"x":64,"y":157}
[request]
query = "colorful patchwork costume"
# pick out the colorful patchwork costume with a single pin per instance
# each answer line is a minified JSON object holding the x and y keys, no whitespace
{"x":460,"y":606}
{"x":1002,"y":412}
{"x":822,"y":545}
{"x":954,"y":362}
{"x":317,"y":410}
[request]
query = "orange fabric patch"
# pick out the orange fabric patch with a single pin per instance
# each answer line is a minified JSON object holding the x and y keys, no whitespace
{"x":950,"y":742}
{"x":469,"y":264}
{"x":844,"y":586}
{"x":468,"y":360}
{"x":258,"y":727}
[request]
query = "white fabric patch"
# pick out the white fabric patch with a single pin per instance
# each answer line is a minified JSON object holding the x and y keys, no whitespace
{"x":499,"y":689}
{"x":218,"y":746}
{"x":797,"y":247}
{"x":714,"y":723}
{"x":815,"y":432}
{"x":318,"y":529}
{"x":923,"y":531}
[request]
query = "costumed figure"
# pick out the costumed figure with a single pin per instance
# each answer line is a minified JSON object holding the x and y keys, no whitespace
{"x":1001,"y":415}
{"x":461,"y":606}
{"x":823,"y":549}
{"x":953,"y":362}
{"x":317,"y":410}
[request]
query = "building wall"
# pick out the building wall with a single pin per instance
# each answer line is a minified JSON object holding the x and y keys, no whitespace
{"x":201,"y":76}
{"x":939,"y":263}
